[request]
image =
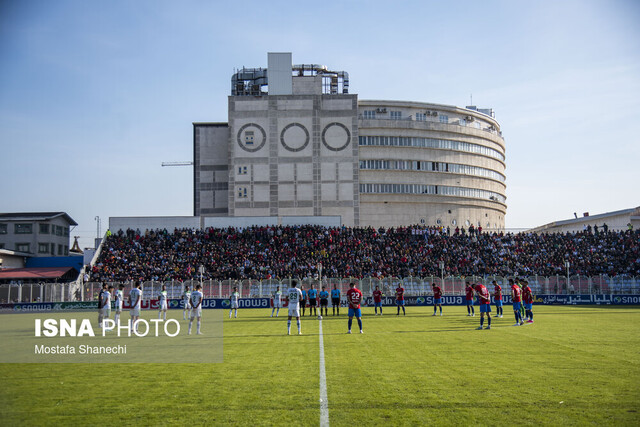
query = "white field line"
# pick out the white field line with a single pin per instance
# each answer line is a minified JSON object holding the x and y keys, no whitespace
{"x":324,"y":403}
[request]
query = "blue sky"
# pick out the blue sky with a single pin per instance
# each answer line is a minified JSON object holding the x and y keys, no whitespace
{"x":95,"y":95}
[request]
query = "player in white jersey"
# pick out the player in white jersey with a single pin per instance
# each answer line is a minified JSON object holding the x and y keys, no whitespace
{"x":119,"y":298}
{"x":196,"y":308}
{"x":294,"y":296}
{"x":277,"y":301}
{"x":135,"y":301}
{"x":103,"y":299}
{"x":235,"y":295}
{"x":162,"y":303}
{"x":186,"y":302}
{"x":107,"y":304}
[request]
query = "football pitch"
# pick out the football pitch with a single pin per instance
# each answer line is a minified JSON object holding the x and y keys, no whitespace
{"x":575,"y":365}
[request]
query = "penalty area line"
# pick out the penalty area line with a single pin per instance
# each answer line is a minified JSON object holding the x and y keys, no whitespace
{"x":324,"y":403}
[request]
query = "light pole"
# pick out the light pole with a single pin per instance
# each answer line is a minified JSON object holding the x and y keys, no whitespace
{"x":567,"y":264}
{"x":441,"y":263}
{"x":98,"y":240}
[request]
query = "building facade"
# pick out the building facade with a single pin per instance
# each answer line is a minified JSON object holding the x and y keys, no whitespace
{"x":298,"y":144}
{"x":430,"y":164}
{"x":38,"y":234}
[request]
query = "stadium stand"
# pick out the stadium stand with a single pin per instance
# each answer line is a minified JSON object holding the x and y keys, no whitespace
{"x":261,"y":253}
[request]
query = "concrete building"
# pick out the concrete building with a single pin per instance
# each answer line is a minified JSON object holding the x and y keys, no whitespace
{"x":298,"y":144}
{"x":615,"y":221}
{"x":38,"y":234}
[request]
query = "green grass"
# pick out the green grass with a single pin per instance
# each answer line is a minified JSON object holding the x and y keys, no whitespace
{"x":575,"y":365}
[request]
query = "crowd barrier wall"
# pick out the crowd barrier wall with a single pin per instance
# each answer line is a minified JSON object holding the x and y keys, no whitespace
{"x":414,"y":286}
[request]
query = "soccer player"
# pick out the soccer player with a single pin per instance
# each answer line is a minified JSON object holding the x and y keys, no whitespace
{"x":497,"y":296}
{"x":324,"y":301}
{"x":335,"y":299}
{"x":277,"y":301}
{"x":527,"y":297}
{"x":400,"y":299}
{"x":312,"y":294}
{"x":303,"y":300}
{"x":107,"y":306}
{"x":235,"y":295}
{"x":196,"y":308}
{"x":484,"y":299}
{"x":135,"y":302}
{"x":354,"y":296}
{"x":468,"y":290}
{"x":294,"y":296}
{"x":101,"y":299}
{"x":516,"y":299}
{"x":521,"y":305}
{"x":119,"y":299}
{"x":377,"y":300}
{"x":162,"y":303}
{"x":437,"y":298}
{"x":186,"y":302}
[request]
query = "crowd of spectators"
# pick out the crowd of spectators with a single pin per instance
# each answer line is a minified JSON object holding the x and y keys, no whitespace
{"x":297,"y":251}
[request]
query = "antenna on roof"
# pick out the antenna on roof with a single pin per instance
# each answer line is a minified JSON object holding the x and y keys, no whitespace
{"x":471,"y":96}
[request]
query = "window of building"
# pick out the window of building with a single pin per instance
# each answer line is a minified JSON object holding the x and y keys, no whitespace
{"x":467,"y":223}
{"x":66,"y":250}
{"x":24,"y":228}
{"x":462,"y":122}
{"x":421,"y":117}
{"x":443,"y":118}
{"x":454,"y":222}
{"x":369,"y":114}
{"x":396,"y":115}
{"x":60,"y":250}
{"x":242,"y":192}
{"x":44,"y":229}
{"x":242,"y":170}
{"x":43,"y":248}
{"x":23,"y":247}
{"x":65,"y":231}
{"x":248,"y":137}
{"x":58,"y":230}
{"x":1,"y":245}
{"x":3,"y":228}
{"x":445,"y":144}
{"x":53,"y":249}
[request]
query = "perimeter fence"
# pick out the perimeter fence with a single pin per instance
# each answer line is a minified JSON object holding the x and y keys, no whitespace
{"x":414,"y":286}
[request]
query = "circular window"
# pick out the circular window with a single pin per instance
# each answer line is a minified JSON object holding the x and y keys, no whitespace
{"x":336,"y":136}
{"x":438,"y":221}
{"x":251,"y":137}
{"x":467,"y":223}
{"x":422,"y":221}
{"x":294,"y":137}
{"x":454,"y":222}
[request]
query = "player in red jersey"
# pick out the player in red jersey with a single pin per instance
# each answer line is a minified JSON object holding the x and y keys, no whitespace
{"x":517,"y":303}
{"x":484,"y":299}
{"x":468,"y":290}
{"x":497,"y":297}
{"x":354,"y":296}
{"x":400,"y":299}
{"x":527,"y":297}
{"x":437,"y":298}
{"x":377,"y":300}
